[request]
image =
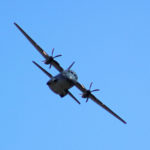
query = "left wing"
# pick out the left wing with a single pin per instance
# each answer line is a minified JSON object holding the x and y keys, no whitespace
{"x":83,"y":89}
{"x":40,"y":50}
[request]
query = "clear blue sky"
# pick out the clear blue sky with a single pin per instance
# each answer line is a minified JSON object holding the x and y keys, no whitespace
{"x":110,"y":43}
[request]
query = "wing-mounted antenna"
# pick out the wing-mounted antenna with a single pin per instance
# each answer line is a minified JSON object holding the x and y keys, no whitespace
{"x":51,"y":58}
{"x":71,"y":65}
{"x":87,"y":93}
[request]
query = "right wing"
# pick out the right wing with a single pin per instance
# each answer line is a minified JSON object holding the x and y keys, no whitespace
{"x":92,"y":97}
{"x":42,"y":52}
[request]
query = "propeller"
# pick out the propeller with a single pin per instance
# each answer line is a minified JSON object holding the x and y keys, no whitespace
{"x":88,"y":92}
{"x":71,"y":65}
{"x":51,"y":58}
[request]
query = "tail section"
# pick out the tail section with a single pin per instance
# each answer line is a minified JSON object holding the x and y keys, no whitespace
{"x":47,"y":73}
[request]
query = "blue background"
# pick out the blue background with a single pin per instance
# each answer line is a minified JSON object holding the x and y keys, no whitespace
{"x":110,"y":43}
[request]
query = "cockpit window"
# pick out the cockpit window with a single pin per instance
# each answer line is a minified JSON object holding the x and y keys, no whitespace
{"x":67,"y":72}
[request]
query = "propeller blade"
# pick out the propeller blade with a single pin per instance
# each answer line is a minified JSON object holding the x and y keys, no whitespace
{"x":87,"y":99}
{"x":71,"y":65}
{"x":53,"y":51}
{"x":90,"y":85}
{"x":95,"y":90}
{"x":57,"y":56}
{"x":88,"y":92}
{"x":50,"y":59}
{"x":50,"y":66}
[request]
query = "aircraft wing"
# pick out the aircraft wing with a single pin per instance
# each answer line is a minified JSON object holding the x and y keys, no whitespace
{"x":41,"y":51}
{"x":92,"y":97}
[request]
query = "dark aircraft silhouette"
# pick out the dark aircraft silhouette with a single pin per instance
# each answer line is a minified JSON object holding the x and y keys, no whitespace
{"x":66,"y":79}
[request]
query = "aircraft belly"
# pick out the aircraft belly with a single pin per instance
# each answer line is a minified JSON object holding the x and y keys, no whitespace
{"x":60,"y":86}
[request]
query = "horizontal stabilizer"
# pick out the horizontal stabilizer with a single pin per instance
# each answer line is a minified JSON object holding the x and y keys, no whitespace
{"x":47,"y":73}
{"x":69,"y":93}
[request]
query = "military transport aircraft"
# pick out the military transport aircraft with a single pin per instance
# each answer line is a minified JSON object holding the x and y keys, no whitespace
{"x":66,"y":79}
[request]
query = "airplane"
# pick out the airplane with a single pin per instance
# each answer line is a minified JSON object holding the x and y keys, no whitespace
{"x":66,"y":79}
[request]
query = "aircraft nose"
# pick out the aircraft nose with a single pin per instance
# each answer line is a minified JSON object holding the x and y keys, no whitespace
{"x":49,"y":83}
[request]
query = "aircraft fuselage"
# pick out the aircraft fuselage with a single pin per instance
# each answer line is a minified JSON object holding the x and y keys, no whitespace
{"x":61,"y":83}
